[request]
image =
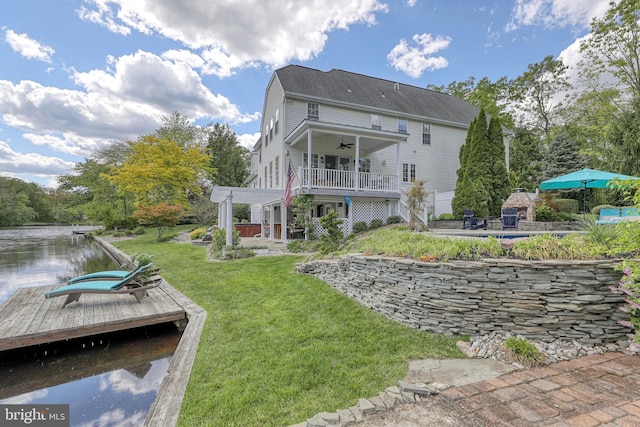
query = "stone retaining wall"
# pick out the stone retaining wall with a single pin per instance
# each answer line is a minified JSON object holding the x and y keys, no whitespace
{"x":542,"y":301}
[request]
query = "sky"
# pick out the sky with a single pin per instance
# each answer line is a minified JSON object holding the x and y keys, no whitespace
{"x":76,"y":75}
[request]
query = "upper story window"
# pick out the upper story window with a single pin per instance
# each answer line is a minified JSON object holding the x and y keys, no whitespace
{"x":402,"y":125}
{"x":313,"y":111}
{"x":426,"y":133}
{"x":376,"y":122}
{"x":265,"y":177}
{"x":277,"y":120}
{"x":270,"y":174}
{"x":266,"y":135}
{"x":277,"y":174}
{"x":271,"y":129}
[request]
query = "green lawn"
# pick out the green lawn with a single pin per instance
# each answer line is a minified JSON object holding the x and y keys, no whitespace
{"x":277,"y":346}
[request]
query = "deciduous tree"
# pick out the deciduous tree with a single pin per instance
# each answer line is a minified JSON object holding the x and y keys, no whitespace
{"x":160,"y":170}
{"x":161,"y":216}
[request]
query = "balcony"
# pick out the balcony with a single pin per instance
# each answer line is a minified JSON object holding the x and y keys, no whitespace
{"x":335,"y":179}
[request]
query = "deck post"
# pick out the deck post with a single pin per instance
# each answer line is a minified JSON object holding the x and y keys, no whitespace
{"x":229,"y":218}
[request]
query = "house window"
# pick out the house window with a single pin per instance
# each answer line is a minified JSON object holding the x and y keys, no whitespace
{"x":313,"y":111}
{"x":266,"y":135}
{"x":402,"y":125}
{"x":426,"y":133}
{"x":277,"y":120}
{"x":408,"y":172}
{"x":376,"y":122}
{"x":271,"y":129}
{"x":314,"y":159}
{"x":277,"y":171}
{"x":270,"y":174}
{"x":260,"y":156}
{"x":365,"y":165}
{"x":265,"y":177}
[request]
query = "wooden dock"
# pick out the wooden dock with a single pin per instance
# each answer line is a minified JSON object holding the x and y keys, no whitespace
{"x":28,"y":318}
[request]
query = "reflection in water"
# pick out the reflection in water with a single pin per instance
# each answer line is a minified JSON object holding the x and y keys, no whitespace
{"x":107,"y":380}
{"x":38,"y":256}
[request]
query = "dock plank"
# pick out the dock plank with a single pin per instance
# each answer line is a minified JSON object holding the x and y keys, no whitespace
{"x":30,"y":319}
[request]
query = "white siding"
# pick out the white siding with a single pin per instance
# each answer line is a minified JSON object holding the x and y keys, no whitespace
{"x":274,"y":147}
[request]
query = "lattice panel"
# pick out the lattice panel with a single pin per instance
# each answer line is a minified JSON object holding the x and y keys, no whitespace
{"x":366,"y":210}
{"x":321,"y":231}
{"x":362,"y":210}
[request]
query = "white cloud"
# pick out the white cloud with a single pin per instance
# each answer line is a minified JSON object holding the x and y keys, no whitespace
{"x":120,"y":104}
{"x":414,"y":60}
{"x":248,"y":140}
{"x":258,"y":34}
{"x":14,"y":164}
{"x":555,"y":13}
{"x":27,"y":47}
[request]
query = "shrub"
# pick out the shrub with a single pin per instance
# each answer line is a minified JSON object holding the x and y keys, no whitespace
{"x":139,"y":231}
{"x":544,"y":212}
{"x":219,"y":239}
{"x":297,"y":246}
{"x":333,"y":239}
{"x":394,"y":219}
{"x":569,"y":206}
{"x":446,"y":217}
{"x":232,"y":253}
{"x":375,"y":223}
{"x":197,"y":233}
{"x":522,"y":351}
{"x":360,"y":227}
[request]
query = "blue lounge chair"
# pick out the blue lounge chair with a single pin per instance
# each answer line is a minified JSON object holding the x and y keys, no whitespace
{"x":113,"y":274}
{"x":131,"y":284}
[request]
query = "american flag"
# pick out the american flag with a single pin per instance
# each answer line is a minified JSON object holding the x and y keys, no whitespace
{"x":287,"y":189}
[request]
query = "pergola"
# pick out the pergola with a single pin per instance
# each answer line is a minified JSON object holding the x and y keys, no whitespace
{"x":226,"y":196}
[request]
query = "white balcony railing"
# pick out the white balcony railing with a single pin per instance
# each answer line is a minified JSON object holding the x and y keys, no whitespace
{"x":346,"y":180}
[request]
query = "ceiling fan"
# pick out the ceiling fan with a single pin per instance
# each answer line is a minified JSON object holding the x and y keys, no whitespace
{"x":344,"y":145}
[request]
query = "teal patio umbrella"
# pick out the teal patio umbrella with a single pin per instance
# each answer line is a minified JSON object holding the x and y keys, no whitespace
{"x":583,"y":179}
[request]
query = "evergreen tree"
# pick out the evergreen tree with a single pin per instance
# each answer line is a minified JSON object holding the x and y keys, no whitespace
{"x":500,"y":186}
{"x":525,"y":159}
{"x":562,"y":157}
{"x":483,"y":182}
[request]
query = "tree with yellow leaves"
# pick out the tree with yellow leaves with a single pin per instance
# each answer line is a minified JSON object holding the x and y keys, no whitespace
{"x":161,"y":171}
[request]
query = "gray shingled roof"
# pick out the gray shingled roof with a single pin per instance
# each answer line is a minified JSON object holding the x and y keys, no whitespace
{"x":344,"y":86}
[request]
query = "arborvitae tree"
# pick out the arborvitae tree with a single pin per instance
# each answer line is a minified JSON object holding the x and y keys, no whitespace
{"x":478,"y":158}
{"x":470,"y":194}
{"x":483,"y":182}
{"x":500,"y":185}
{"x":562,"y":157}
{"x":525,"y":159}
{"x":464,"y":152}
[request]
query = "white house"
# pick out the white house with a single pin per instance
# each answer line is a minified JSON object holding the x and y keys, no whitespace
{"x":355,"y":143}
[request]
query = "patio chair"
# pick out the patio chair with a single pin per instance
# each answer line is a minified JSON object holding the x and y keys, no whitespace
{"x":132,"y":284}
{"x":469,"y":217}
{"x":114,"y":274}
{"x":509,"y":218}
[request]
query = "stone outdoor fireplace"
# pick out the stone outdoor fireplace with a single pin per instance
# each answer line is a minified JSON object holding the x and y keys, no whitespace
{"x":521,"y":201}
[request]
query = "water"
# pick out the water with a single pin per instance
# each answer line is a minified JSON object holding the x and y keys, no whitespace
{"x":38,"y":256}
{"x":107,"y":380}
